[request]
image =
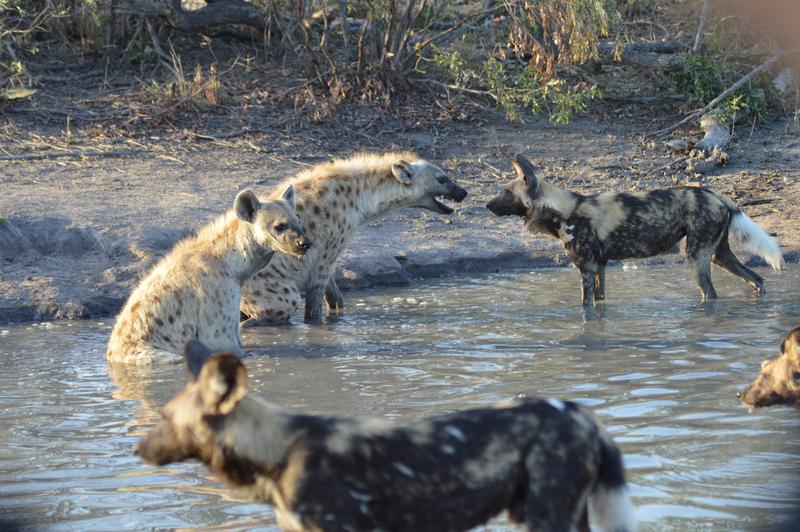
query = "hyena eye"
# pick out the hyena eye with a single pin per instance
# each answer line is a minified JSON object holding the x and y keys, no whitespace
{"x":442,"y":179}
{"x":280,"y":228}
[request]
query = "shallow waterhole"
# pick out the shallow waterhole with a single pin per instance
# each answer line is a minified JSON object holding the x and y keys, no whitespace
{"x":660,"y":369}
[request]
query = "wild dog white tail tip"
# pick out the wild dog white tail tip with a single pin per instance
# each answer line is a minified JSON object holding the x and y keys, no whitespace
{"x":755,"y":240}
{"x":612,"y":509}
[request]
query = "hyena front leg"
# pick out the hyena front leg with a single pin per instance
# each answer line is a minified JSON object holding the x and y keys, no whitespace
{"x":314,"y":295}
{"x":333,"y":297}
{"x":600,"y":282}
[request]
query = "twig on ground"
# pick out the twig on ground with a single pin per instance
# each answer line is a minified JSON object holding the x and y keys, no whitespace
{"x":61,"y":154}
{"x":665,"y":166}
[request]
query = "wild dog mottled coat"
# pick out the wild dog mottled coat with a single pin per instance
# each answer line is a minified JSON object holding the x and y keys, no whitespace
{"x":778,"y":382}
{"x":622,"y":225}
{"x":194,"y":291}
{"x":541,"y":460}
{"x":333,"y":200}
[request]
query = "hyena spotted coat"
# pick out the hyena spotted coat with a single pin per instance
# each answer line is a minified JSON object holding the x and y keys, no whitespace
{"x":194,"y":291}
{"x":543,"y":460}
{"x":333,"y":200}
{"x":778,"y":382}
{"x":621,"y":225}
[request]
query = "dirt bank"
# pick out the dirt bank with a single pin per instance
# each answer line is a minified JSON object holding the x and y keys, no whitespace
{"x":76,"y":234}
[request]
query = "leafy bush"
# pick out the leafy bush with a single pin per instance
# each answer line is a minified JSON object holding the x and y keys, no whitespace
{"x":707,"y":74}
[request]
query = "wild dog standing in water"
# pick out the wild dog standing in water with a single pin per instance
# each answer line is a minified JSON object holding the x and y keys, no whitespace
{"x":333,"y":200}
{"x":194,"y":291}
{"x":779,"y":379}
{"x":542,"y":460}
{"x":623,"y":225}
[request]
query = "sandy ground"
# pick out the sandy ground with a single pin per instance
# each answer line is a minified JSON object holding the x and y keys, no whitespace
{"x":77,"y":234}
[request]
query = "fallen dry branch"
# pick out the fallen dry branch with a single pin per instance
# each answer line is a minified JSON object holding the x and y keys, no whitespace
{"x":663,"y":55}
{"x":212,"y":14}
{"x":76,"y":153}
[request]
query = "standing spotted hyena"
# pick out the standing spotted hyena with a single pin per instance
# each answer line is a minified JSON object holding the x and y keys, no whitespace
{"x":333,"y":199}
{"x":194,"y":291}
{"x":623,"y":225}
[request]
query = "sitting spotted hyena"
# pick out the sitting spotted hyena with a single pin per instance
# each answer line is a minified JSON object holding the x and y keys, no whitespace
{"x":194,"y":291}
{"x":333,"y":199}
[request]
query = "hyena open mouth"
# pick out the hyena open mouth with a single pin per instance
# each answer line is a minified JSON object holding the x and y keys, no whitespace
{"x":441,"y":204}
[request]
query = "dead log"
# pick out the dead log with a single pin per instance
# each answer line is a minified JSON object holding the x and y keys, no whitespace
{"x":214,"y":13}
{"x":662,"y":55}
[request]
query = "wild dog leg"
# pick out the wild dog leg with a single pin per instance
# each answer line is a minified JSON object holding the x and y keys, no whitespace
{"x":333,"y":297}
{"x":725,"y":259}
{"x":600,"y":282}
{"x":702,"y":272}
{"x":588,"y":275}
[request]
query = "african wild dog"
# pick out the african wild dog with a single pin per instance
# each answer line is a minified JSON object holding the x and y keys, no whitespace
{"x":539,"y":459}
{"x":779,"y":379}
{"x":622,"y":225}
{"x":333,"y":200}
{"x":194,"y":291}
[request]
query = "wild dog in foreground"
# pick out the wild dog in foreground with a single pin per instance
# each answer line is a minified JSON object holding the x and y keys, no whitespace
{"x":542,"y":460}
{"x":333,"y":200}
{"x":779,"y":380}
{"x":623,"y":225}
{"x":194,"y":291}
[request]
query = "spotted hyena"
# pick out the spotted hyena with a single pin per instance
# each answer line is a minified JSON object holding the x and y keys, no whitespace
{"x":194,"y":291}
{"x":779,"y":379}
{"x":333,"y":199}
{"x":622,"y":225}
{"x":542,"y":460}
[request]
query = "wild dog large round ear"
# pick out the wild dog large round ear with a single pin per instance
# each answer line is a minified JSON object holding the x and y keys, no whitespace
{"x":526,"y":171}
{"x":288,"y":196}
{"x":246,"y":205}
{"x":195,"y":353}
{"x":403,"y":171}
{"x":223,"y":383}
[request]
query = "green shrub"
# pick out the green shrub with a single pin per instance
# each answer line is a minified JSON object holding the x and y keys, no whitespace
{"x":707,"y":74}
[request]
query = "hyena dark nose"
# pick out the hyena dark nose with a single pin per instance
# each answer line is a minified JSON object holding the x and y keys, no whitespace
{"x":303,"y":243}
{"x":738,"y":395}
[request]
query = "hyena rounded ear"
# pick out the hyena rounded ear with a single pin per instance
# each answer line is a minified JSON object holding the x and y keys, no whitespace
{"x":223,"y":383}
{"x":195,"y":353}
{"x":288,"y":196}
{"x":403,"y":171}
{"x":246,"y":205}
{"x":526,"y":171}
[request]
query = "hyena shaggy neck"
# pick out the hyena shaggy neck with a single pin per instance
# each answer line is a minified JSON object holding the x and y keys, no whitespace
{"x":234,"y":244}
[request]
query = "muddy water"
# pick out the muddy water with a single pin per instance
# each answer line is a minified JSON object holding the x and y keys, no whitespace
{"x":660,"y":369}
